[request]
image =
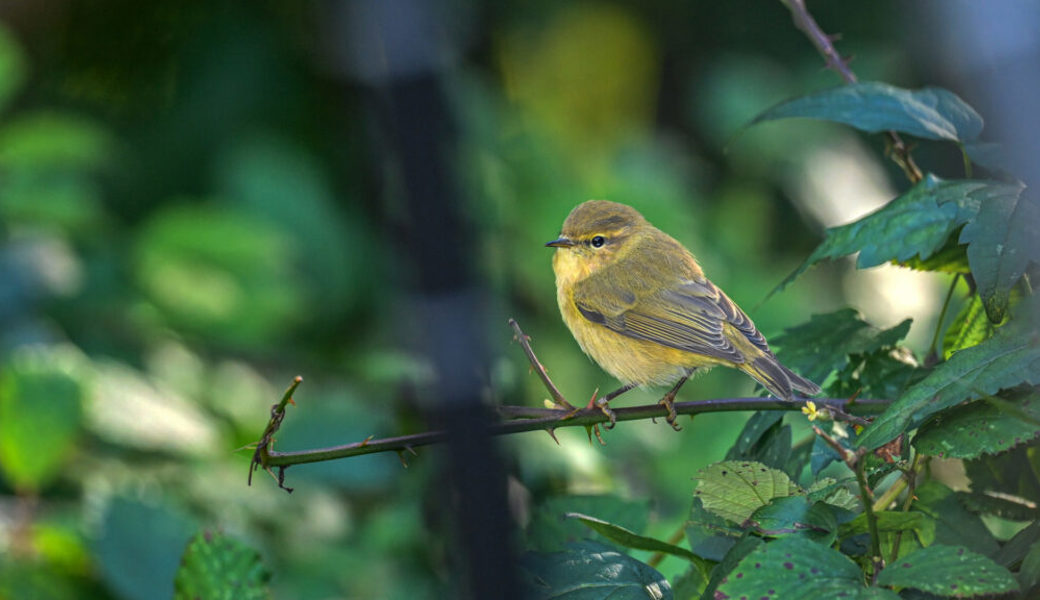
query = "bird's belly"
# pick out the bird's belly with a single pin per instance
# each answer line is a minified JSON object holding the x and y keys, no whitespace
{"x":631,"y":360}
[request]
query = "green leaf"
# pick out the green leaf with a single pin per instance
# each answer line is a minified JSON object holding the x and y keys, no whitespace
{"x":929,"y":113}
{"x":969,"y":328}
{"x":950,"y":571}
{"x":1015,"y":550}
{"x":590,"y":571}
{"x":916,"y":225}
{"x":1010,"y":357}
{"x":140,"y":547}
{"x":821,"y":346}
{"x":1016,"y":473}
{"x":630,"y":539}
{"x":835,"y":493}
{"x":920,"y":523}
{"x":550,"y":530}
{"x":690,"y":584}
{"x":795,"y":514}
{"x":216,"y":567}
{"x":763,"y":439}
{"x":954,"y":526}
{"x":41,"y":415}
{"x":735,"y":489}
{"x":1002,"y":241}
{"x":1029,"y":572}
{"x":708,"y":534}
{"x":1006,"y":507}
{"x":795,"y":567}
{"x":737,"y":553}
{"x":12,"y":66}
{"x":980,"y":428}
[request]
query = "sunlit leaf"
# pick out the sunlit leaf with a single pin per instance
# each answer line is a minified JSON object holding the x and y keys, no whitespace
{"x":52,"y":140}
{"x":969,"y":328}
{"x":949,"y":571}
{"x":735,"y":489}
{"x":930,"y":113}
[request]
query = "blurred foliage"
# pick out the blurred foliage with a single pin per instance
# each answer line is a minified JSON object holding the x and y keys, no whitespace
{"x":197,"y":202}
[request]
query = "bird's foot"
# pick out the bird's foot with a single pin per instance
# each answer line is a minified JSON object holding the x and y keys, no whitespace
{"x":604,"y":405}
{"x":669,"y":403}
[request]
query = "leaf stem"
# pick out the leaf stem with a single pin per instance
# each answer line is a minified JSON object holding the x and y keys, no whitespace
{"x":859,"y":467}
{"x":933,"y":352}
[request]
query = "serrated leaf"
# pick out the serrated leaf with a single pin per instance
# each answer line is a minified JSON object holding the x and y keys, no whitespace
{"x":893,"y":521}
{"x":708,"y":534}
{"x":737,"y":553}
{"x":591,"y":571}
{"x":216,"y":567}
{"x":41,"y":415}
{"x":763,"y":439}
{"x":821,"y":346}
{"x":980,"y":428}
{"x":1002,"y":240}
{"x":630,"y":539}
{"x":795,"y":567}
{"x":950,"y":571}
{"x":550,"y":530}
{"x":795,"y":514}
{"x":735,"y":489}
{"x":1010,"y":357}
{"x":835,"y":493}
{"x":929,"y":113}
{"x":969,"y":328}
{"x":916,"y":225}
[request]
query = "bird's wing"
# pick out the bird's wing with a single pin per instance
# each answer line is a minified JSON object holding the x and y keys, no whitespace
{"x":690,"y":316}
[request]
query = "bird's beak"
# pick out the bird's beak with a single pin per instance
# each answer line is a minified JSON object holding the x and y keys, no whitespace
{"x":561,"y":242}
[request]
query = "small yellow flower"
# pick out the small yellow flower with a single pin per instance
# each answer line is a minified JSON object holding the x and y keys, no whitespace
{"x":810,"y":410}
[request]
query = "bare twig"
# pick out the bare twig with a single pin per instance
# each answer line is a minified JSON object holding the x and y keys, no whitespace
{"x":262,"y":453}
{"x":525,"y":343}
{"x":803,"y":20}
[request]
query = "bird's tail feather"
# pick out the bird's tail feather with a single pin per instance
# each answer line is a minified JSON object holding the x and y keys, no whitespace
{"x":778,"y":379}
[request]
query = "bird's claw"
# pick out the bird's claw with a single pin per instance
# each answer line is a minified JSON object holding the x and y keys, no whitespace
{"x":668,"y":402}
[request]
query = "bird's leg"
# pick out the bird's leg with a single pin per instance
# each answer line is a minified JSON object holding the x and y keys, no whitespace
{"x":603,"y":402}
{"x":669,"y":402}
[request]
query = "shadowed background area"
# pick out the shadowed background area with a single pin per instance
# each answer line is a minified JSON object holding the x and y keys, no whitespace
{"x":199,"y":201}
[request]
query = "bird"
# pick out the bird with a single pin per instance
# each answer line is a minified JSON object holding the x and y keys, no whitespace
{"x":640,"y":306}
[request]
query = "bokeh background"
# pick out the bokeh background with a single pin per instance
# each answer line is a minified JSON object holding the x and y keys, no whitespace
{"x":201,"y":200}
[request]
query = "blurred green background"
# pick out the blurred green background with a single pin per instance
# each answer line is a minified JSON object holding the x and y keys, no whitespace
{"x":196,"y":206}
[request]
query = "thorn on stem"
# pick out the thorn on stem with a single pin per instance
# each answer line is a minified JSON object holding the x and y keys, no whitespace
{"x":552,"y":433}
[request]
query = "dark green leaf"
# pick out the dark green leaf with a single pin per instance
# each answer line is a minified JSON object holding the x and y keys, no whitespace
{"x":708,"y":534}
{"x":1006,"y":506}
{"x":916,"y":225}
{"x":1016,"y":549}
{"x":882,"y":373}
{"x":969,"y":328}
{"x":821,"y":346}
{"x":741,"y":549}
{"x":920,"y":523}
{"x":550,"y":530}
{"x":1002,"y":240}
{"x":763,"y":439}
{"x":40,"y":417}
{"x":735,"y":489}
{"x":980,"y":428}
{"x":795,"y":567}
{"x":795,"y":514}
{"x":1009,"y":358}
{"x":954,"y":526}
{"x":629,"y":539}
{"x":590,"y":571}
{"x":690,"y":585}
{"x":140,"y":548}
{"x":1029,"y":572}
{"x":929,"y":113}
{"x":216,"y":567}
{"x":951,"y":571}
{"x":1016,"y":472}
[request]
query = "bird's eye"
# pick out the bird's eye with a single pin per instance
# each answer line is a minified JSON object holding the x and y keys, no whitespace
{"x":598,"y":241}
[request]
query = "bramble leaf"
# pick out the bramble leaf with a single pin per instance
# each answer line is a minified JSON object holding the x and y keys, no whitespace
{"x":980,"y":428}
{"x":795,"y":567}
{"x":950,"y":571}
{"x":911,"y":228}
{"x":871,"y":106}
{"x":735,"y":489}
{"x":217,"y":567}
{"x":1010,"y":357}
{"x":822,"y":345}
{"x":630,"y":539}
{"x":969,"y":328}
{"x":1002,"y":240}
{"x":591,"y":571}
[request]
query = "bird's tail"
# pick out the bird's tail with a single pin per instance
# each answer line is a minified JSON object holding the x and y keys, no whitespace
{"x":778,"y":379}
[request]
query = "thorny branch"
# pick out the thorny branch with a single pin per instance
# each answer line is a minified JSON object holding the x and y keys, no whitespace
{"x":824,"y":43}
{"x":523,"y":418}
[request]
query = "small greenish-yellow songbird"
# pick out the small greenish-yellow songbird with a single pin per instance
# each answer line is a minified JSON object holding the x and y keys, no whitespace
{"x":638,"y":303}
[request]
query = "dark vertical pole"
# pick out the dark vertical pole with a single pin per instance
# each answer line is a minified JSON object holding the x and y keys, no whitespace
{"x":393,"y":46}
